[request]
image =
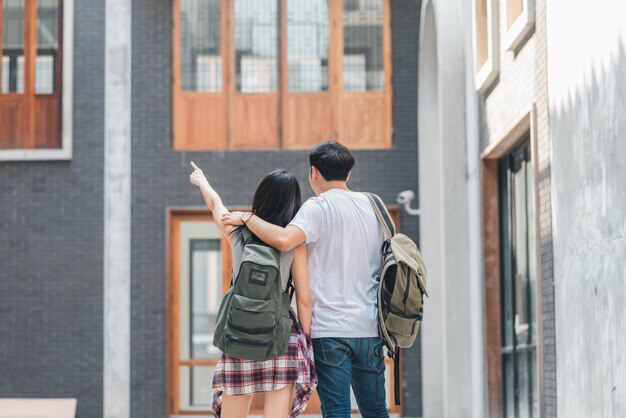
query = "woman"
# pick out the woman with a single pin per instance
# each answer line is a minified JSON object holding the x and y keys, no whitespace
{"x":276,"y":200}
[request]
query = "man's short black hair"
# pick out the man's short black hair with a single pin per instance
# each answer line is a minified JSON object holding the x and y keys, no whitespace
{"x":333,"y":160}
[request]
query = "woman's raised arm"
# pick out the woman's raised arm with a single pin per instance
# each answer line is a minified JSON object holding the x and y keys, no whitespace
{"x":212,"y":199}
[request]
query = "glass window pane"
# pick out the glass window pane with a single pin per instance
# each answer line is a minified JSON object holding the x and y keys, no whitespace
{"x":527,"y":402}
{"x":201,"y":386}
{"x":522,"y":288}
{"x":200,"y":55}
{"x":506,"y":288}
{"x":196,"y":387}
{"x":508,"y":382}
{"x":206,"y":295}
{"x":522,"y":384}
{"x":514,"y":9}
{"x":534,"y":396}
{"x":256,"y":45}
{"x":47,"y":45}
{"x":13,"y":46}
{"x":307,"y":45}
{"x":532,"y":249}
{"x":481,"y":33}
{"x":363,"y":45}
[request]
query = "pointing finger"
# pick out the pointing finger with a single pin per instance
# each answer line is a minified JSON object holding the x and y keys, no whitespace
{"x":195,"y":167}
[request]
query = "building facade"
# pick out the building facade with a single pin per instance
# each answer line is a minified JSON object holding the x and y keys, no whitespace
{"x":111,"y":269}
{"x":525,"y":100}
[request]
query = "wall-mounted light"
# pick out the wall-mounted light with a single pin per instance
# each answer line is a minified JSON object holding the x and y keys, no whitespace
{"x":405,"y":198}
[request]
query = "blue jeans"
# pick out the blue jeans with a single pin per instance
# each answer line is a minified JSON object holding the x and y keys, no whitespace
{"x":341,"y":362}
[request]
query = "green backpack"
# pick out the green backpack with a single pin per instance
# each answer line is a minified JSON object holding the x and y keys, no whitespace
{"x":253,"y":321}
{"x":401,"y":291}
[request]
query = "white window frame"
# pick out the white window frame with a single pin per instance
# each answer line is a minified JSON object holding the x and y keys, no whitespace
{"x":65,"y":152}
{"x":488,"y":73}
{"x":523,"y":26}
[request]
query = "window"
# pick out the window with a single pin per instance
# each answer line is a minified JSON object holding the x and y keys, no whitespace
{"x":363,"y":45}
{"x":30,"y":78}
{"x":520,"y":19}
{"x":199,"y":279}
{"x":201,"y":60}
{"x":518,"y":285}
{"x":486,"y":54}
{"x":307,"y":46}
{"x":268,"y":74}
{"x":514,"y":9}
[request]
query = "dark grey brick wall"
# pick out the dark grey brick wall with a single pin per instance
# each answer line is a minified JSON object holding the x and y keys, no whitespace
{"x":160,"y":179}
{"x":51,"y":249}
{"x":405,"y":29}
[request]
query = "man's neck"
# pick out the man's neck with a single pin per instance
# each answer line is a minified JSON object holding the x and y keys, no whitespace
{"x":342,"y":185}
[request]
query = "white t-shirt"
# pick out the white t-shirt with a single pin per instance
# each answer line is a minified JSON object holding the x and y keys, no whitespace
{"x":343,"y":240}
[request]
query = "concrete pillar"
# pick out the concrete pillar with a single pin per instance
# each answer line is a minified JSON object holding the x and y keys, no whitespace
{"x":431,"y":218}
{"x":452,"y":329}
{"x":117,"y":215}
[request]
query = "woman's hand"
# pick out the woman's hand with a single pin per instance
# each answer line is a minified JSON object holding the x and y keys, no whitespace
{"x":197,"y":177}
{"x":232,"y":218}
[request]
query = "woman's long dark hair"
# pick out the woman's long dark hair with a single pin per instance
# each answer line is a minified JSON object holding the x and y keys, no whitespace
{"x":277,"y":199}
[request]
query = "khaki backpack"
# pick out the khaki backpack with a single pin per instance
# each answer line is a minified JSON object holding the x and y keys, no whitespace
{"x":401,"y":290}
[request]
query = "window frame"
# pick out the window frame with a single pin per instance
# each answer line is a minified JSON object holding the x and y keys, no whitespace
{"x":523,"y":127}
{"x":65,"y":84}
{"x":507,"y":171}
{"x":519,"y":31}
{"x":174,"y":219}
{"x":333,"y":113}
{"x":487,"y":73}
{"x":215,"y":103}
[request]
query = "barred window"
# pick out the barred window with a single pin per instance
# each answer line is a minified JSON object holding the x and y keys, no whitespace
{"x":267,"y":74}
{"x":30,"y":74}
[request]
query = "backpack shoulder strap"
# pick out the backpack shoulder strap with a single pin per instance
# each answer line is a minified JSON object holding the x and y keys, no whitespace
{"x":396,"y":377}
{"x":245,"y":232}
{"x":384,"y":218}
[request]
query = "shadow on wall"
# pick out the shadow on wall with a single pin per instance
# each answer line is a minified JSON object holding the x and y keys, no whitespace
{"x":588,"y":134}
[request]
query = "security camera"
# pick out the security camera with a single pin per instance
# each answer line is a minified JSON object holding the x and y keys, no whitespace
{"x":405,"y":198}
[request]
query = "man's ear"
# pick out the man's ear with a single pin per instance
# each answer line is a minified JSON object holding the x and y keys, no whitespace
{"x":349,"y":174}
{"x":314,"y":173}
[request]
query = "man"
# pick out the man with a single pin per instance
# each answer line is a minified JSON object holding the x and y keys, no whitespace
{"x":343,"y":240}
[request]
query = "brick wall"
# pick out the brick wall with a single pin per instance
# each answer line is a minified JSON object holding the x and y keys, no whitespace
{"x":51,"y":220}
{"x":545,"y":216}
{"x":522,"y":82}
{"x":160,"y":180}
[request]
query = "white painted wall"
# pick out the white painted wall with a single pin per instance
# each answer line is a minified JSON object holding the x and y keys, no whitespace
{"x":587,"y":96}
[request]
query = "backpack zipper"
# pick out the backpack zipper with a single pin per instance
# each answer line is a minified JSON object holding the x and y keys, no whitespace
{"x":243,"y":341}
{"x":256,"y":330}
